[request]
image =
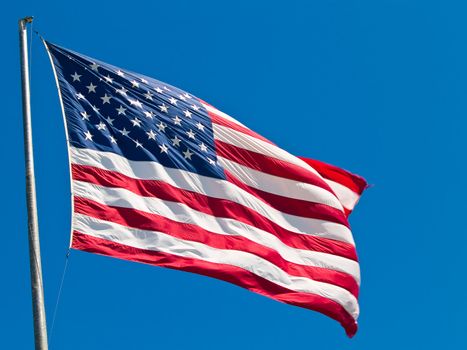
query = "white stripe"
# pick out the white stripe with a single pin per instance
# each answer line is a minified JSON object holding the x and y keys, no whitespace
{"x":211,"y":187}
{"x":346,"y":196}
{"x":158,"y":241}
{"x":279,"y":185}
{"x":250,"y":143}
{"x":179,"y":212}
{"x":65,"y":125}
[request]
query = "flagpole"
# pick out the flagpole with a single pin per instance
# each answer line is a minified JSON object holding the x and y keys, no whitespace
{"x":40,"y":327}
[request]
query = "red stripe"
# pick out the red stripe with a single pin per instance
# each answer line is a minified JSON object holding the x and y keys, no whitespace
{"x":219,"y":120}
{"x":223,"y":272}
{"x":293,"y":206}
{"x":190,"y":232}
{"x":355,"y":182}
{"x":352,"y":181}
{"x":212,"y":206}
{"x":269,"y":165}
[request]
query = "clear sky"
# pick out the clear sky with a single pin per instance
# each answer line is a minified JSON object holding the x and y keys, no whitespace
{"x":377,"y":87}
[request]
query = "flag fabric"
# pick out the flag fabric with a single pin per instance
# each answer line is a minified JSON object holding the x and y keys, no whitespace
{"x":161,"y":177}
{"x":347,"y":187}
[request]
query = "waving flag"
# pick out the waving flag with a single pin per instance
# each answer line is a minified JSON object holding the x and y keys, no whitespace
{"x":161,"y":177}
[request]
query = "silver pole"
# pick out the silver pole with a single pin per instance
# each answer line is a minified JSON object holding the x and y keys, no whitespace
{"x":38,"y":309}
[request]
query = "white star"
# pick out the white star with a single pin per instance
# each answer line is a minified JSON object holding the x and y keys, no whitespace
{"x":94,"y":66}
{"x":138,"y":144}
{"x":151,"y":135}
{"x":100,"y":126}
{"x":195,"y":107}
{"x":191,"y":134}
{"x":148,"y":95}
{"x":212,"y":162}
{"x":186,"y":95}
{"x":88,"y":135}
{"x":164,"y":108}
{"x":108,"y":79}
{"x":177,"y":120}
{"x":173,"y":101}
{"x":76,"y":76}
{"x":159,"y":90}
{"x":134,"y":83}
{"x":95,"y":109}
{"x":176,"y":141}
{"x":203,"y":147}
{"x":105,"y":99}
{"x":85,"y":115}
{"x":161,"y":126}
{"x":187,"y":113}
{"x":200,"y":126}
{"x":124,"y":132}
{"x":187,"y":154}
{"x":91,"y":88}
{"x":144,"y":81}
{"x":109,"y":120}
{"x":120,"y":73}
{"x":136,"y":122}
{"x":135,"y":103}
{"x":149,"y":114}
{"x":112,"y":139}
{"x":181,"y":97}
{"x":164,"y":148}
{"x":122,"y":91}
{"x":80,"y":96}
{"x":166,"y":88}
{"x":121,"y":110}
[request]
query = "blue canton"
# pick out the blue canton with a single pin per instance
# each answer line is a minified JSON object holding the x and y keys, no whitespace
{"x":140,"y":118}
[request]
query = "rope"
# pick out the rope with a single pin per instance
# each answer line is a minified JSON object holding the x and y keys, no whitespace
{"x":39,"y":35}
{"x":58,"y":296}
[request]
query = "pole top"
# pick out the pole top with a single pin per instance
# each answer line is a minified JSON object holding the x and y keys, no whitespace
{"x":25,"y":20}
{"x":28,"y":19}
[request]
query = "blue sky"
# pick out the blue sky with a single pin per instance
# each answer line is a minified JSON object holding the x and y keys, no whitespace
{"x":378,"y":88}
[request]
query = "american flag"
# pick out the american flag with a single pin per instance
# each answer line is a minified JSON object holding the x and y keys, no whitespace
{"x":162,"y":177}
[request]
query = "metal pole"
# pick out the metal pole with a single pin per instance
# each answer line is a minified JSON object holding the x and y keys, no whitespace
{"x":38,"y":309}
